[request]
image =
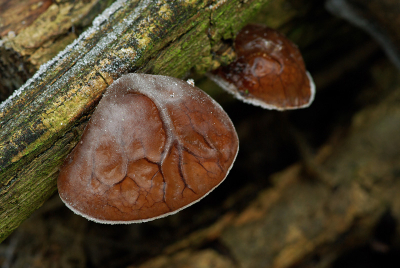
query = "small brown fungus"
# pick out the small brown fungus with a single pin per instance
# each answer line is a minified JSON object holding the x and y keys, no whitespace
{"x":153,"y":146}
{"x":269,"y":71}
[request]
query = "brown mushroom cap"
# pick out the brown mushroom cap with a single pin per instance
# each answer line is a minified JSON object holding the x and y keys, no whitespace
{"x":153,"y":146}
{"x":269,"y":71}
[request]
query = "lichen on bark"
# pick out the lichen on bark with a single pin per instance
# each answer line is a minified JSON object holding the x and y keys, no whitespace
{"x":43,"y":120}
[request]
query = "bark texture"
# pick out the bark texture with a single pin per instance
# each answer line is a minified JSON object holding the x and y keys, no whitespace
{"x":310,"y":188}
{"x":43,"y":120}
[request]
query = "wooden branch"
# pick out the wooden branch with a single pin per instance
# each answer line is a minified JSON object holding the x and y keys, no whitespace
{"x":34,"y":31}
{"x":43,"y":120}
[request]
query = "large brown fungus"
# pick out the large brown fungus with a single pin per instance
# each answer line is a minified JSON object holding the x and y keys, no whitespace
{"x":269,"y":71}
{"x":154,"y":145}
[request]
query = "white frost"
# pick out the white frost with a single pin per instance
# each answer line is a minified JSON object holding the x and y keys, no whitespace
{"x":90,"y":57}
{"x":190,"y":82}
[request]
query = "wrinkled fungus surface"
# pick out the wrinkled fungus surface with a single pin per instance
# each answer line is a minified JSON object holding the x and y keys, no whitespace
{"x":154,"y":145}
{"x":269,"y":71}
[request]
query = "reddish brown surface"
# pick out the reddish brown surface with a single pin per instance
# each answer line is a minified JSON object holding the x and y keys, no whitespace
{"x":269,"y":69}
{"x":154,"y":145}
{"x":16,"y":15}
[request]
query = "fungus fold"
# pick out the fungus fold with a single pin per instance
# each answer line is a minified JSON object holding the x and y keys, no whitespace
{"x":153,"y":146}
{"x":269,"y":71}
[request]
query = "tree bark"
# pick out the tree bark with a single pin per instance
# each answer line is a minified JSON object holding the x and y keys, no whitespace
{"x":307,"y":188}
{"x":34,"y":31}
{"x":43,"y":120}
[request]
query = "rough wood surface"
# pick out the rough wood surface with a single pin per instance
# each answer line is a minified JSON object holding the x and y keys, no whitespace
{"x":17,"y":15}
{"x":34,"y":31}
{"x":300,"y":221}
{"x":297,"y":220}
{"x":41,"y":123}
{"x":310,"y":188}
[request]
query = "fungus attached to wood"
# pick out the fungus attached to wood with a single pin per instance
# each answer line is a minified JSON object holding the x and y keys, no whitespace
{"x":153,"y":146}
{"x":269,"y":71}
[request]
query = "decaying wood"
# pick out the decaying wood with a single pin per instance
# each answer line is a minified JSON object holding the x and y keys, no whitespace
{"x":34,"y":31}
{"x":299,"y":218}
{"x":17,"y":15}
{"x":308,"y":214}
{"x":41,"y":123}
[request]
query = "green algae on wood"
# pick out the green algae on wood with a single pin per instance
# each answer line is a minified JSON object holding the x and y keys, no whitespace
{"x":43,"y":122}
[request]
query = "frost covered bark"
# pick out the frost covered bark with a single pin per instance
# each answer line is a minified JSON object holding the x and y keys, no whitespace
{"x":42,"y":121}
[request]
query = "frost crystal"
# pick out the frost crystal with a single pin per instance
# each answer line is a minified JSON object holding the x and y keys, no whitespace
{"x":190,"y":82}
{"x":87,"y":59}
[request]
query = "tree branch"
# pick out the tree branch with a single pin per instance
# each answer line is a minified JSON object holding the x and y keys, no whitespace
{"x":43,"y":120}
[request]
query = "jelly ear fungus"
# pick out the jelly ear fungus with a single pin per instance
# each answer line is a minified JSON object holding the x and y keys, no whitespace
{"x":269,"y":71}
{"x":153,"y":146}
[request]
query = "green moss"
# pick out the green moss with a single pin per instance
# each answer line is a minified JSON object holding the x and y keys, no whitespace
{"x":171,"y":43}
